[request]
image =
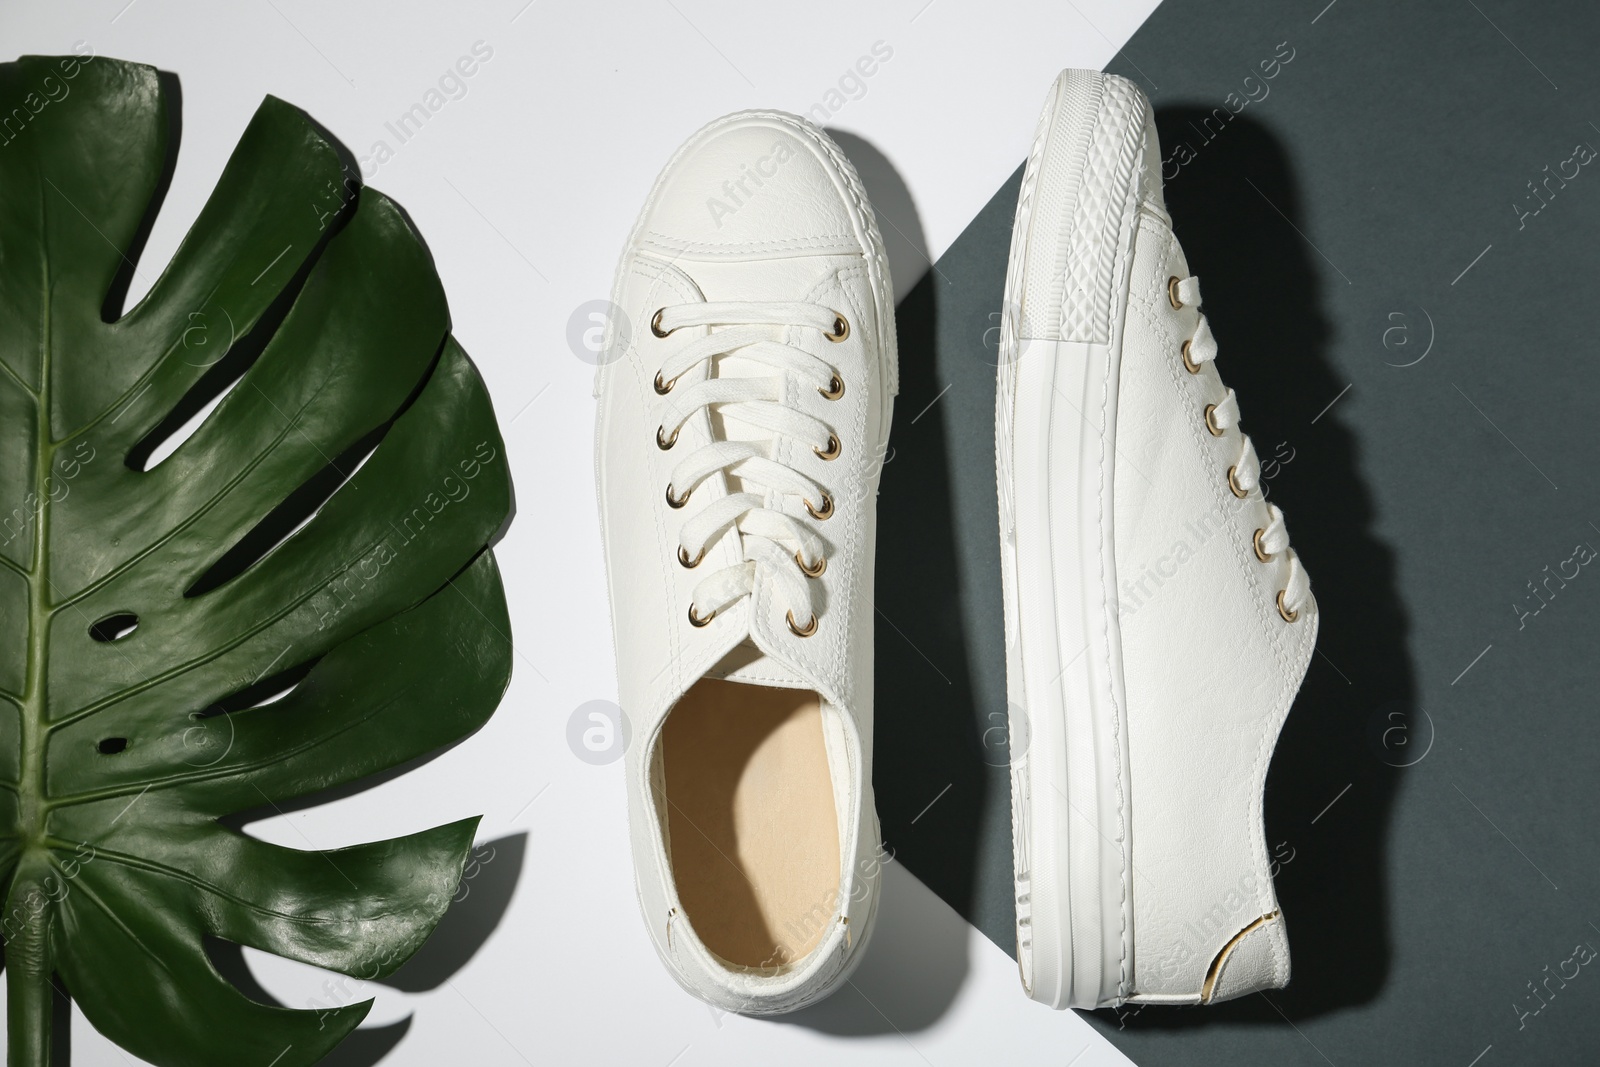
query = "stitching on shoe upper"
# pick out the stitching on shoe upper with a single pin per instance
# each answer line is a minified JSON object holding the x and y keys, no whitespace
{"x":785,"y":244}
{"x":843,"y":582}
{"x":876,"y":255}
{"x":1116,"y":96}
{"x":1266,"y":896}
{"x":1124,"y":979}
{"x":1157,"y":321}
{"x":771,"y":679}
{"x":657,"y":278}
{"x":662,"y":275}
{"x":1280,"y":960}
{"x":848,"y":582}
{"x":673,"y":646}
{"x":845,"y":585}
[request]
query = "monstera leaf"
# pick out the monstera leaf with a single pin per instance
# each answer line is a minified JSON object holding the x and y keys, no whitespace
{"x":322,"y":530}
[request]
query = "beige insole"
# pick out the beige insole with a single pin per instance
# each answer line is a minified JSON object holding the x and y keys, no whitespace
{"x":755,"y":837}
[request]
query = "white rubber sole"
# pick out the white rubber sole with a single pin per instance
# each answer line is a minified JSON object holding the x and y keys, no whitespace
{"x":1055,"y":433}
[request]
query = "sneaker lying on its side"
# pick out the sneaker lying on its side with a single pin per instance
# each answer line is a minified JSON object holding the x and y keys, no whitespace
{"x":1157,"y":622}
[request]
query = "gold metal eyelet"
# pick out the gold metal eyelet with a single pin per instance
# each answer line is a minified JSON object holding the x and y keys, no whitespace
{"x":1188,"y":364}
{"x":655,"y":324}
{"x":663,"y":442}
{"x":1172,"y":293}
{"x":825,"y":511}
{"x":801,"y":631}
{"x":1262,"y":554}
{"x":676,"y":501}
{"x":814,"y":570}
{"x":690,"y":564}
{"x":841,"y":329}
{"x":1233,"y":483}
{"x":698,"y":621}
{"x":834,"y":390}
{"x":663,"y":388}
{"x":832,"y":451}
{"x":1211,"y":421}
{"x":1288,"y":616}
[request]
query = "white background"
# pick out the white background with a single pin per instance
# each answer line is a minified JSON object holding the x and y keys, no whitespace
{"x":525,"y":188}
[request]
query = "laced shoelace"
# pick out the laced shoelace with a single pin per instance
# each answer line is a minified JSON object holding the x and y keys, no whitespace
{"x":1271,"y":542}
{"x":776,"y":544}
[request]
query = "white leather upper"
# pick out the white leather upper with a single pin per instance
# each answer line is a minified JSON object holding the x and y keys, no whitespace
{"x":1211,"y":667}
{"x":803,"y":232}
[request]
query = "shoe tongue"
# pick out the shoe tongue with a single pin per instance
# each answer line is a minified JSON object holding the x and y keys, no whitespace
{"x":747,"y":663}
{"x":727,"y":426}
{"x":762,"y":281}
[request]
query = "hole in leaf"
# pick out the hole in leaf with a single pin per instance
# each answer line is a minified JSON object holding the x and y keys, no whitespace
{"x":232,"y":360}
{"x":110,"y":746}
{"x":228,"y":958}
{"x":266,"y":691}
{"x":178,"y":436}
{"x":285,"y":520}
{"x":114,"y":627}
{"x":116,"y":298}
{"x":302,"y":505}
{"x":189,"y":412}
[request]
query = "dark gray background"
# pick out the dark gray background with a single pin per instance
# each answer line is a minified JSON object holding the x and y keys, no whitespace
{"x":1339,"y":224}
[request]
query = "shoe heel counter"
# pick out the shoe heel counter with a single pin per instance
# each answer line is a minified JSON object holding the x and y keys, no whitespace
{"x":1256,"y":959}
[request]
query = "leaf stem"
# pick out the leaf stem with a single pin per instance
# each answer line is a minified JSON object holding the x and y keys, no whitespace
{"x":29,"y":912}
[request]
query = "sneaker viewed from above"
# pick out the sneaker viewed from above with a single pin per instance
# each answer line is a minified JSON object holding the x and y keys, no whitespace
{"x":744,"y":405}
{"x":1158,"y":624}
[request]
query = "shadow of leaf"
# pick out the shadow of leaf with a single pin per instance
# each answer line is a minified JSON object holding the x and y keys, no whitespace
{"x":490,"y":880}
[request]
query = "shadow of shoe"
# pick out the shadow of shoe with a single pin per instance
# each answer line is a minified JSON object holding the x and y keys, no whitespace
{"x":1341,"y":755}
{"x":898,"y":221}
{"x":912,"y":971}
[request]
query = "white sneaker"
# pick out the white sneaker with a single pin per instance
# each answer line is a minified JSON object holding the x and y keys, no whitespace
{"x":1157,"y":622}
{"x":743,"y":419}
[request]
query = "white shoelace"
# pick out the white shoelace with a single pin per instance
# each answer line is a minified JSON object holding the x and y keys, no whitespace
{"x":1244,"y":477}
{"x":776,"y":544}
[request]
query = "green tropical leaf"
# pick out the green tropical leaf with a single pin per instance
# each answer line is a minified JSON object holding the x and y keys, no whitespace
{"x":146,"y":609}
